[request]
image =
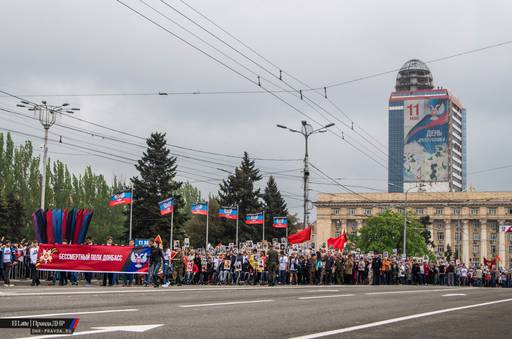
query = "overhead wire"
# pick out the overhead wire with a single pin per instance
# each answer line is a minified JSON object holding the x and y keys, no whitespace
{"x":244,"y":76}
{"x":295,"y":90}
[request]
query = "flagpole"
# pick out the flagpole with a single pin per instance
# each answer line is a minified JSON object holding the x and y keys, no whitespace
{"x":263,"y":225}
{"x":236,"y":240}
{"x":172,"y":228}
{"x":131,"y":215}
{"x":207,"y":216}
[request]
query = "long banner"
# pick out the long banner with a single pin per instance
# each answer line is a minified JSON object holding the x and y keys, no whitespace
{"x":93,"y":258}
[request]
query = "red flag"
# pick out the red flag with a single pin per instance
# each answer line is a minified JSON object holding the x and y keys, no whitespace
{"x":337,"y":243}
{"x":489,"y":263}
{"x":300,"y":237}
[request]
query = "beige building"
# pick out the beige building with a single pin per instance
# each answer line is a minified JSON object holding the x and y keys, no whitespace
{"x":467,"y":221}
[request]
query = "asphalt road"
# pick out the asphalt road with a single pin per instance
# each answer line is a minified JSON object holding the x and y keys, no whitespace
{"x":263,"y":312}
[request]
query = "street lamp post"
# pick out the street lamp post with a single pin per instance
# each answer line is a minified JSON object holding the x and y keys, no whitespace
{"x":47,"y":115}
{"x":307,"y":130}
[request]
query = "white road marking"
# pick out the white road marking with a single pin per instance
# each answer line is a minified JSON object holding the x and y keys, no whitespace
{"x":395,"y":320}
{"x":453,"y":295}
{"x":325,"y":296}
{"x":97,"y":330}
{"x":70,"y":313}
{"x":317,"y":291}
{"x":416,"y":291}
{"x":104,"y":290}
{"x":229,"y":303}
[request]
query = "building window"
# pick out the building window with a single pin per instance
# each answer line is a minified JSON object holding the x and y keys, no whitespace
{"x":439,"y":211}
{"x":400,"y":210}
{"x":456,"y":210}
{"x":510,"y":250}
{"x":440,"y":236}
{"x":419,"y":211}
{"x":382,"y":210}
{"x":367,"y":211}
{"x":509,"y":210}
{"x":493,"y":225}
{"x":337,"y":227}
{"x":493,"y":237}
{"x":476,"y":249}
{"x":493,"y":250}
{"x":476,"y":235}
{"x":458,"y":236}
{"x":491,"y":211}
{"x":335,"y":211}
{"x":473,"y":211}
{"x":352,"y":211}
{"x":440,"y":249}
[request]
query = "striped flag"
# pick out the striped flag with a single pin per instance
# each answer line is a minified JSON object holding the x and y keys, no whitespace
{"x":166,"y":206}
{"x":124,"y":198}
{"x":254,"y":219}
{"x":280,"y":222}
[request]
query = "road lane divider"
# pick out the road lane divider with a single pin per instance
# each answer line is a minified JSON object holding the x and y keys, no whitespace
{"x":399,"y":319}
{"x":228,"y":303}
{"x":320,"y":291}
{"x":325,"y":296}
{"x":417,"y":291}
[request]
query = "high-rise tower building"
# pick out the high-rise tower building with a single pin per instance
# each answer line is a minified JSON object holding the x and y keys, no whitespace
{"x":427,"y":134}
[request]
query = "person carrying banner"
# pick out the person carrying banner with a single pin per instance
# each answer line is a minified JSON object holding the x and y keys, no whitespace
{"x":128,"y":277}
{"x":88,"y":275}
{"x":34,"y":249}
{"x":8,"y":260}
{"x":108,"y":276}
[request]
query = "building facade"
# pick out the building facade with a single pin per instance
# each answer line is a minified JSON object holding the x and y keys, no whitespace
{"x":466,"y":221}
{"x":427,"y":135}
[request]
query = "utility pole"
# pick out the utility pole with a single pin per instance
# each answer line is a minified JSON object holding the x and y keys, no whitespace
{"x":47,"y":115}
{"x":307,"y":130}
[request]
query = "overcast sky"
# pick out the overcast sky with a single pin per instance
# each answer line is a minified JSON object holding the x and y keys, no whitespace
{"x":98,"y":46}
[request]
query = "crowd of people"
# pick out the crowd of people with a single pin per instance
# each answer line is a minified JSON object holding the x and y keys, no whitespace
{"x":264,"y":264}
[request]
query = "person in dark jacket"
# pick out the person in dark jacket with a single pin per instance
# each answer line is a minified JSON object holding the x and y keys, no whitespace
{"x":376,"y":264}
{"x":273,"y":264}
{"x":156,"y":257}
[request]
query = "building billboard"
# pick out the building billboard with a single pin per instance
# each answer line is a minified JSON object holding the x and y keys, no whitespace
{"x":426,"y":140}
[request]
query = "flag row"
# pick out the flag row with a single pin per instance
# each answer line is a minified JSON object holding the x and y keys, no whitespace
{"x":167,"y":207}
